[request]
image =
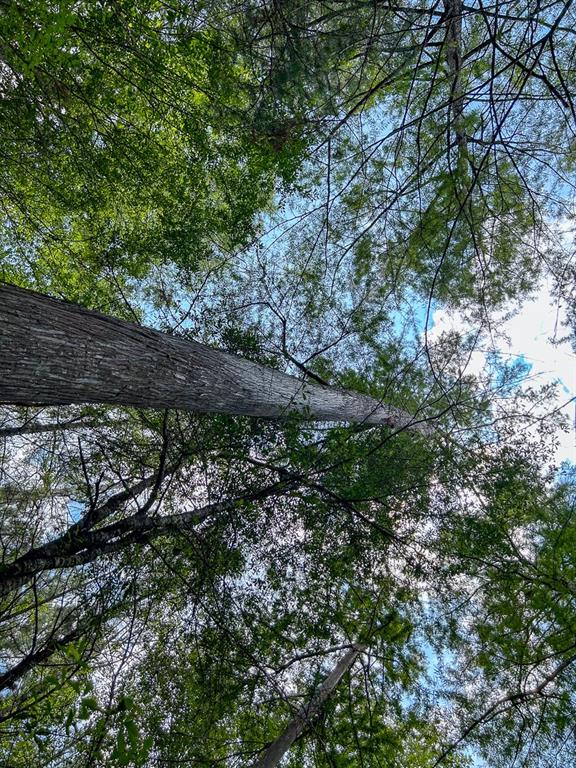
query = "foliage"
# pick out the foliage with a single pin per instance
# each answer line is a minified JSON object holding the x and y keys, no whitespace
{"x":301,"y":184}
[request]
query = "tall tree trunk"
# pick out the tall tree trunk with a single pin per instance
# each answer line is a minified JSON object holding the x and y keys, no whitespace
{"x":56,"y":353}
{"x":276,"y":751}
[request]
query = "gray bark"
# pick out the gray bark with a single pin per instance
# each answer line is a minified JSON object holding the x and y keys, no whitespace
{"x":56,"y":353}
{"x":35,"y":427}
{"x":276,"y":751}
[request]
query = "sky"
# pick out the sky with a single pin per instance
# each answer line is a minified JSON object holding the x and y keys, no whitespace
{"x":536,"y":335}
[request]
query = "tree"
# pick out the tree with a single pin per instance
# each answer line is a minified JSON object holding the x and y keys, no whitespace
{"x":517,"y":662}
{"x":301,"y":185}
{"x":229,"y":604}
{"x":276,"y":751}
{"x":201,"y":555}
{"x":57,"y":353}
{"x":125,"y":129}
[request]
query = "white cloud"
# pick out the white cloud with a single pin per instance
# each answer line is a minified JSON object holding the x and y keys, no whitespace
{"x":536,"y":334}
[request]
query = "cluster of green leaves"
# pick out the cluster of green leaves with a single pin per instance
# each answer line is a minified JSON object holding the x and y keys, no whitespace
{"x":126,"y":143}
{"x":512,"y":613}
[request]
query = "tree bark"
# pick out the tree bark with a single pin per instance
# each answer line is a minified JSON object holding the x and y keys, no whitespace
{"x":276,"y":751}
{"x":34,"y":427}
{"x":56,"y":353}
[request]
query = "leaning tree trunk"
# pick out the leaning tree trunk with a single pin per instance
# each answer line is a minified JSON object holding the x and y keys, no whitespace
{"x":56,"y":353}
{"x":276,"y":751}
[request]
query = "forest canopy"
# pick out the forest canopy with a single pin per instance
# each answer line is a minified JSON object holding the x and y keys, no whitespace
{"x":257,"y":507}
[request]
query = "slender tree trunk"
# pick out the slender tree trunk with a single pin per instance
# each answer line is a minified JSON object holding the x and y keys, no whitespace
{"x":276,"y":751}
{"x":453,"y":46}
{"x":11,"y":676}
{"x":35,"y":427}
{"x":56,"y":353}
{"x":82,"y":543}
